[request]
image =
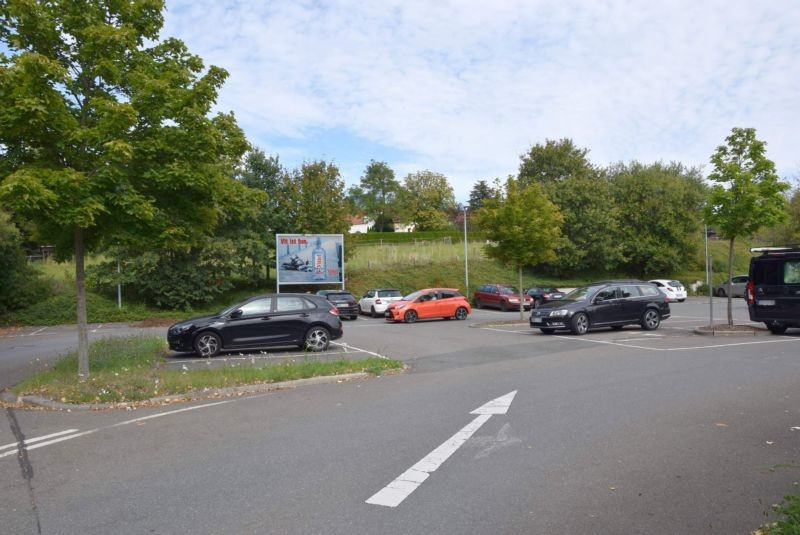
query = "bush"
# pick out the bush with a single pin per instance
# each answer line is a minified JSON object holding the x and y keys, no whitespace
{"x":20,"y":283}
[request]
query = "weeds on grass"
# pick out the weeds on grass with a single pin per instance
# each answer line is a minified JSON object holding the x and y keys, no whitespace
{"x":128,"y":369}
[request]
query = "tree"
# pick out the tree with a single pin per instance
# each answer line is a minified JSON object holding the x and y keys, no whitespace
{"x":317,"y":195}
{"x":590,"y":234}
{"x":479,"y":193}
{"x":20,"y":284}
{"x":377,"y":194}
{"x":522,"y":227}
{"x":427,"y":197}
{"x":658,"y":207}
{"x":105,"y":132}
{"x":747,"y":193}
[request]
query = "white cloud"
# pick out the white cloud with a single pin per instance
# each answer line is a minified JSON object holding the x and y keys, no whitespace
{"x":464,"y":88}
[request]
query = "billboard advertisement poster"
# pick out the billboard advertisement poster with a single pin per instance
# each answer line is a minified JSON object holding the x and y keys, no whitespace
{"x":310,"y":258}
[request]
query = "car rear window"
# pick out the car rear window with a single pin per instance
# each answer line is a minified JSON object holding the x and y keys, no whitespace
{"x":509,"y":290}
{"x":675,"y":284}
{"x":340,"y":297}
{"x":390,"y":293}
{"x":791,"y":272}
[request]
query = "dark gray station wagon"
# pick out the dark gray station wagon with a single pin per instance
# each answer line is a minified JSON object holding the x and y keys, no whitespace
{"x":603,"y":304}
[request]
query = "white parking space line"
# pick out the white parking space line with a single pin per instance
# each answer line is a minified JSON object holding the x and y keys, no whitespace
{"x":358,"y":350}
{"x":34,"y":333}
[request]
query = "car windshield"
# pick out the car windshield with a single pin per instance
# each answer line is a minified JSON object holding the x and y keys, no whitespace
{"x":342,"y":296}
{"x":580,"y":294}
{"x":509,"y":290}
{"x":412,"y":295}
{"x":551,"y":290}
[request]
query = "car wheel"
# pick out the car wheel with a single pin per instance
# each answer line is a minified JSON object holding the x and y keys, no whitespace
{"x":461,"y":313}
{"x":651,"y":319}
{"x":548,"y":331}
{"x":410,"y":316}
{"x":207,"y":344}
{"x":681,"y":300}
{"x":503,"y":306}
{"x":372,"y":312}
{"x":580,"y":323}
{"x":317,"y":339}
{"x":359,"y":309}
{"x":720,"y":292}
{"x":777,"y":328}
{"x":354,"y":317}
{"x":536,"y":303}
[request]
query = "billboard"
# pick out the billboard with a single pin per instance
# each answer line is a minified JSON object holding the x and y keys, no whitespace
{"x":310,"y":258}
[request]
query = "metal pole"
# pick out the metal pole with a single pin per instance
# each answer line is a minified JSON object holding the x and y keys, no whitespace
{"x":466,"y":260}
{"x":709,"y":278}
{"x":119,"y":286}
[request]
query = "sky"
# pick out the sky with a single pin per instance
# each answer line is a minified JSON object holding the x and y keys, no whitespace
{"x":464,"y":88}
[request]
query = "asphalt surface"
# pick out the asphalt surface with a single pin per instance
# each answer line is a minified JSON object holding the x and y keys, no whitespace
{"x":613,"y":432}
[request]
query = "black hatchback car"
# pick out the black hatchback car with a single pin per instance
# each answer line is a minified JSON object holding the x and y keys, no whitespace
{"x":344,"y":302}
{"x":304,"y":320}
{"x":603,"y":304}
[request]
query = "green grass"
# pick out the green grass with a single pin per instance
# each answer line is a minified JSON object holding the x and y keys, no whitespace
{"x":789,"y":521}
{"x":130,"y":369}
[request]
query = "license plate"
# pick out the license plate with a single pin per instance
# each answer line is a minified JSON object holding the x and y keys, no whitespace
{"x":537,"y":320}
{"x":767,"y":302}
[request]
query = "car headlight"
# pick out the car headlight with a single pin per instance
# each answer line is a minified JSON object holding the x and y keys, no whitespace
{"x":559,"y":312}
{"x":398,"y":307}
{"x":183,"y":328}
{"x":513,"y":300}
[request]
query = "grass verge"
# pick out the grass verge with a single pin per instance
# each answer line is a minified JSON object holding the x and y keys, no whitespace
{"x":789,"y":523}
{"x":129,"y":370}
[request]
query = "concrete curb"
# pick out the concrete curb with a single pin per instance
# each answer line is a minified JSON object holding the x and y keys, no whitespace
{"x":756,"y":331}
{"x":39,"y":402}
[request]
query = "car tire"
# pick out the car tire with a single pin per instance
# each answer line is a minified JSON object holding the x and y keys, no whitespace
{"x":651,"y":319}
{"x":410,"y":316}
{"x":579,"y":324}
{"x":461,"y":313}
{"x":354,"y":317}
{"x":547,"y":331}
{"x":503,"y":306}
{"x":359,"y":309}
{"x":720,"y":292}
{"x":372,"y":312}
{"x":536,"y":303}
{"x":478,"y":304}
{"x":317,"y":339}
{"x":681,"y":300}
{"x":207,"y":344}
{"x":777,"y":328}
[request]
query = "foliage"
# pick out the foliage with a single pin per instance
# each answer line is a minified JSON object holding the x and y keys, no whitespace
{"x":479,"y":193}
{"x":554,"y":161}
{"x":659,"y":207}
{"x":747,"y":194}
{"x":20,"y":283}
{"x":106,"y":132}
{"x":426,"y":198}
{"x":789,"y":524}
{"x":788,"y":232}
{"x":377,"y":196}
{"x":125,"y":370}
{"x":415,"y":237}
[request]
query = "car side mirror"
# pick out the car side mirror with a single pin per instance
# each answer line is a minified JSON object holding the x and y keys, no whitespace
{"x":236,"y":313}
{"x":599,"y":299}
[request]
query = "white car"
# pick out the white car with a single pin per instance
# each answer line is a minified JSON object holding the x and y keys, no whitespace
{"x":672,"y":288}
{"x":375,"y":301}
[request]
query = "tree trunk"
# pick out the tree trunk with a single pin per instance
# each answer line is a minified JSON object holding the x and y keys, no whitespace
{"x":730,"y":276}
{"x":521,"y":295}
{"x":80,"y":289}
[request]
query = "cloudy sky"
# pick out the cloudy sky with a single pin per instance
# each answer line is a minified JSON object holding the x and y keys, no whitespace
{"x":464,"y":87}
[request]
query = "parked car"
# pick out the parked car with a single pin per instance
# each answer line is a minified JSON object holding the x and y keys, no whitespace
{"x":500,"y":296}
{"x":773,"y":289}
{"x":738,"y":287}
{"x":375,"y":300}
{"x":542,"y":294}
{"x":429,"y":303}
{"x":304,"y":320}
{"x":603,"y":304}
{"x":674,"y":289}
{"x":344,"y":301}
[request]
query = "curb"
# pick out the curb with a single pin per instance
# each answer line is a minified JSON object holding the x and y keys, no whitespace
{"x":755,"y":332}
{"x":40,"y":402}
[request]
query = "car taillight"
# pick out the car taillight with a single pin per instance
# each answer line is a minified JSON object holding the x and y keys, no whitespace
{"x":749,"y":294}
{"x":334,"y":311}
{"x":377,"y":301}
{"x":546,"y":296}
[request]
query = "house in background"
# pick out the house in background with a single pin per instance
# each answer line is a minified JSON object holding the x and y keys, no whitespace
{"x":361,"y":224}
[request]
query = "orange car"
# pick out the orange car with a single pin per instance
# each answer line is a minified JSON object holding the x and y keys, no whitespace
{"x":429,"y":303}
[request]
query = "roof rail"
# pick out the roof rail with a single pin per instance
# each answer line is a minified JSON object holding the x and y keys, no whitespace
{"x":775,"y":249}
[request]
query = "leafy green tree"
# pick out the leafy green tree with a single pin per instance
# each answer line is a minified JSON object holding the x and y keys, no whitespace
{"x":316,"y":196}
{"x":427,"y":198}
{"x":554,"y":161}
{"x":747,"y":193}
{"x":589,"y":236}
{"x":788,"y":232}
{"x":105,"y":132}
{"x":659,"y":208}
{"x":376,"y":195}
{"x":20,"y":284}
{"x":522,"y":227}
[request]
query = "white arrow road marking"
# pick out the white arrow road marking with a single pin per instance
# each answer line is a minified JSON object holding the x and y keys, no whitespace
{"x":398,"y":490}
